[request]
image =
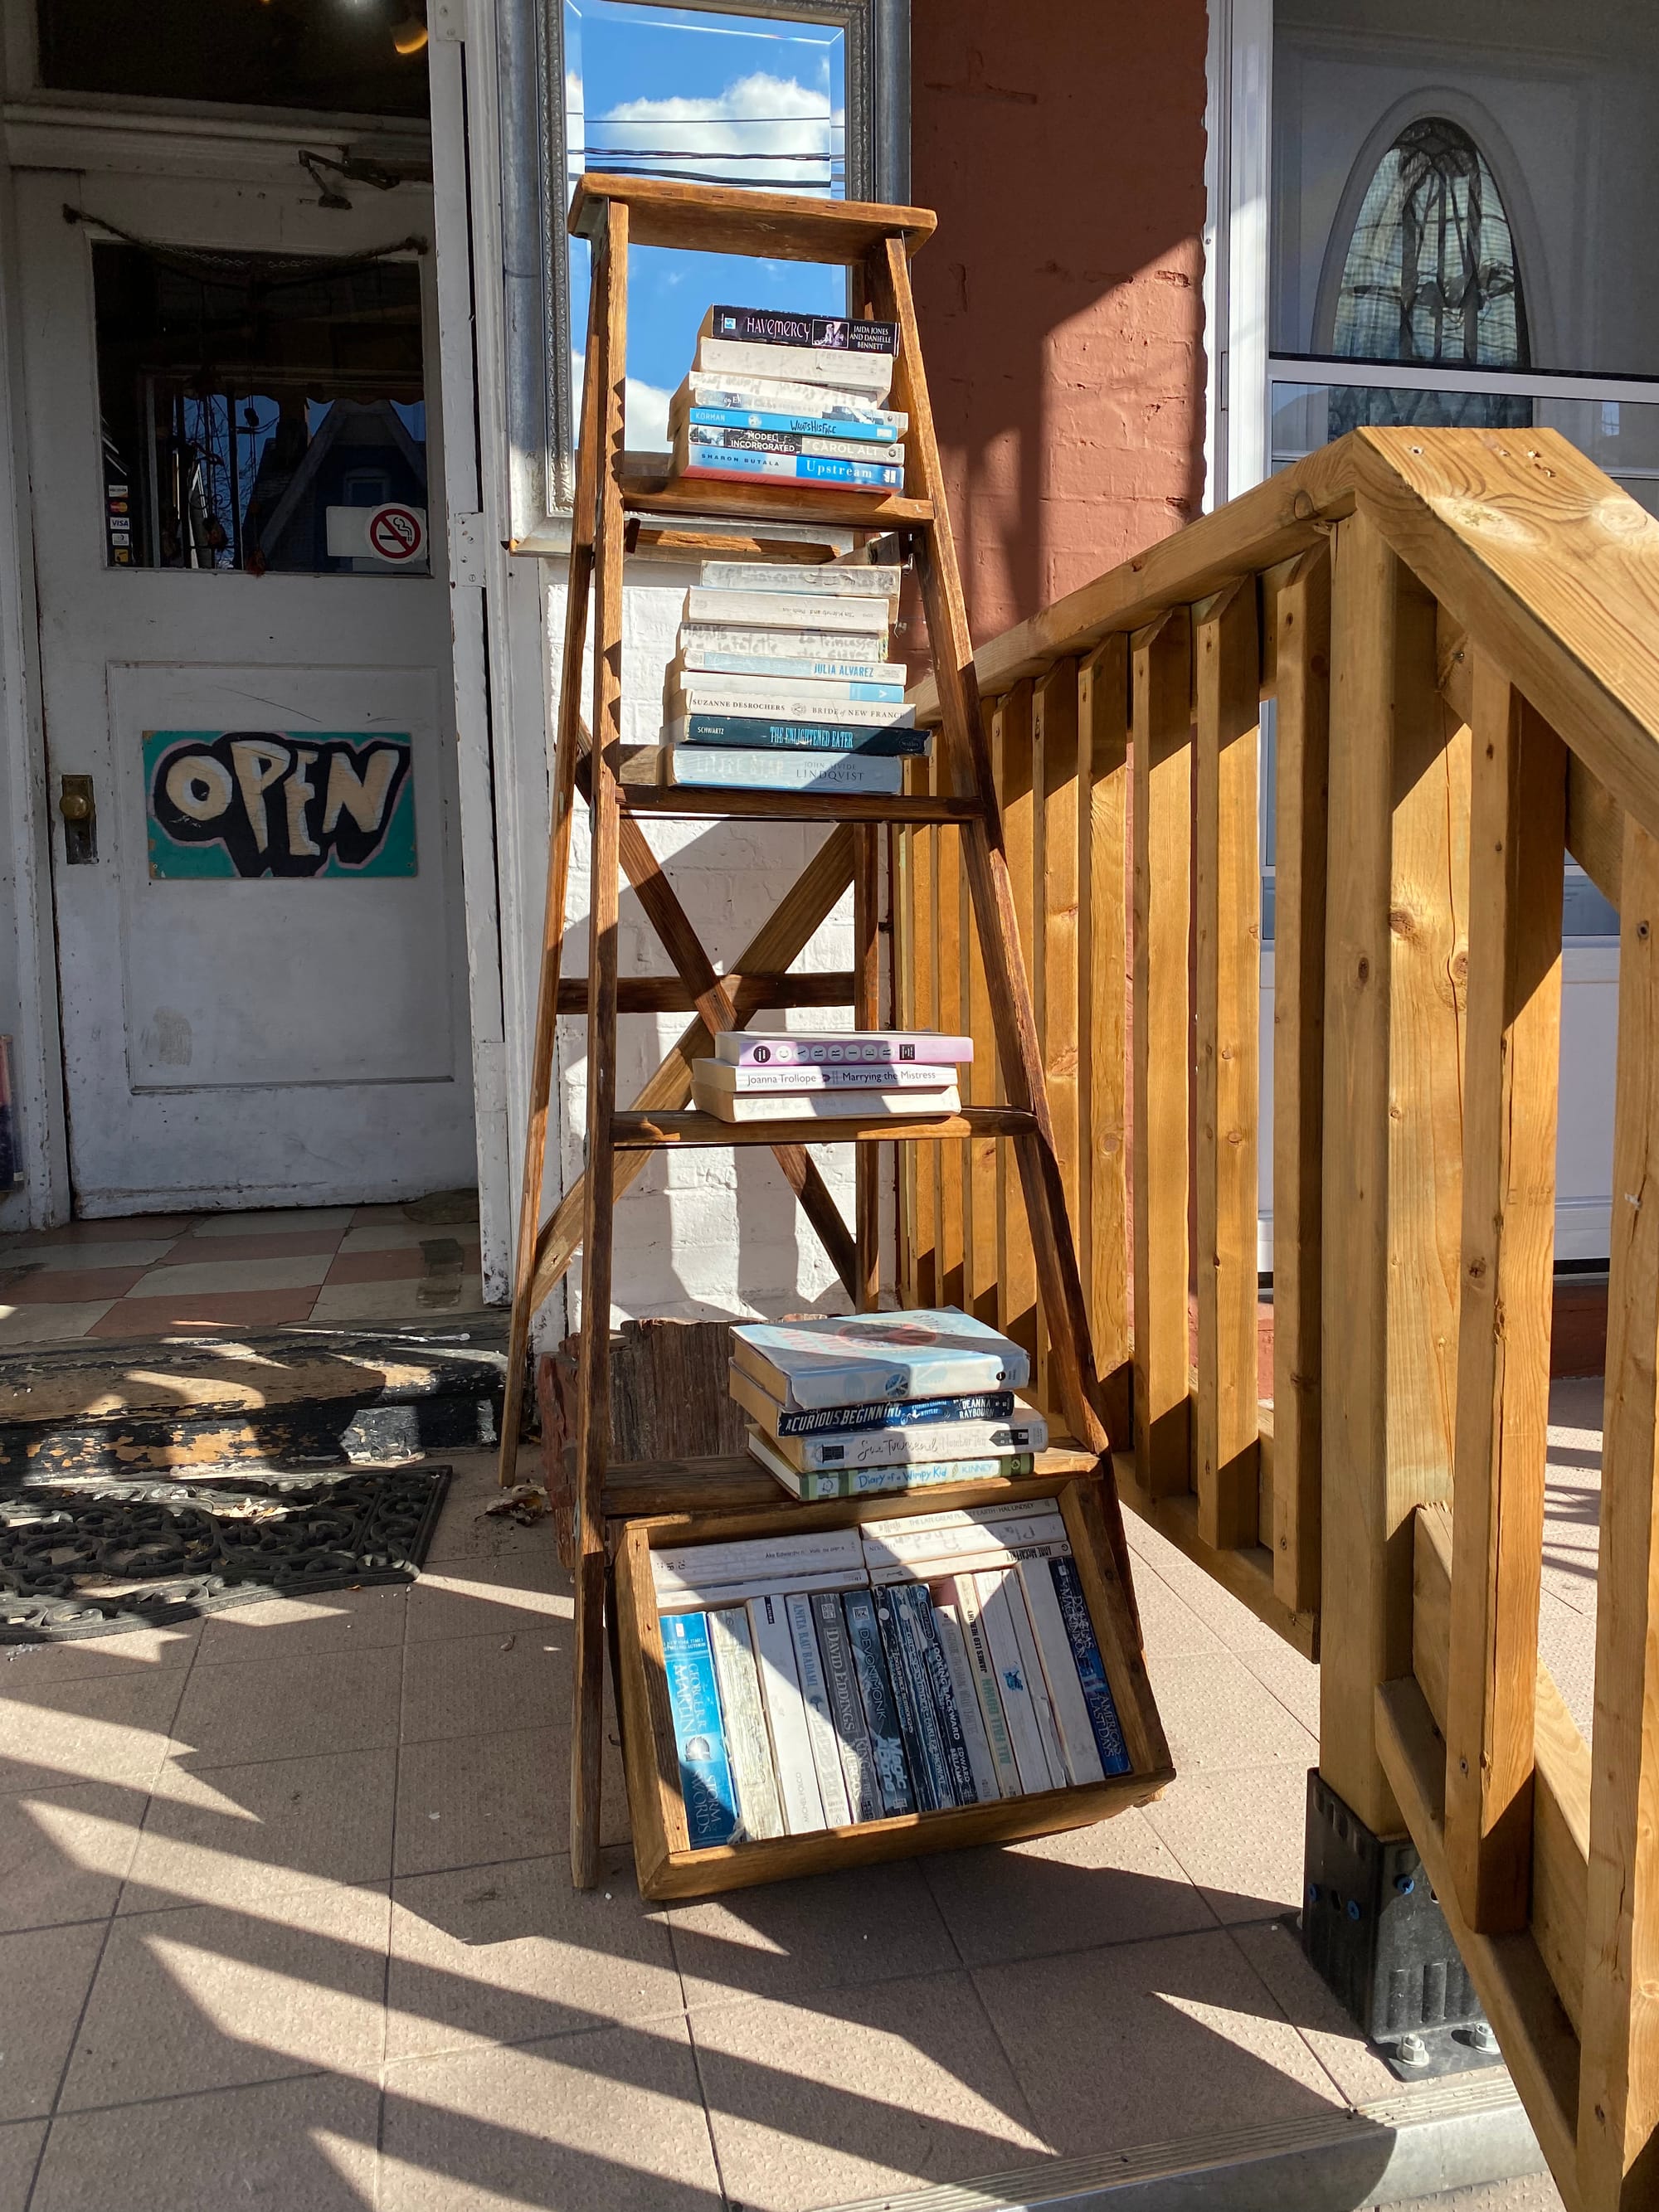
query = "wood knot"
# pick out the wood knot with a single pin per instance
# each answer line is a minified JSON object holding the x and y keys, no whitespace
{"x":1401,"y":922}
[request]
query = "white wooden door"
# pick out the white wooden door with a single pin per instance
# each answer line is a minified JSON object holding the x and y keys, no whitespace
{"x":238,"y":1031}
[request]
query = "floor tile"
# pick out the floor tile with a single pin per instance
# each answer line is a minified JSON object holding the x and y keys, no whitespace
{"x":65,"y":1853}
{"x":521,"y":1592}
{"x":125,"y":1252}
{"x":20,"y":2151}
{"x":139,"y":1228}
{"x":291,"y":1628}
{"x":479,"y":1684}
{"x":224,"y":1310}
{"x":1237,"y":1832}
{"x":114,"y":1727}
{"x":1169,"y":1625}
{"x":237,"y":1835}
{"x":1531,"y":2192}
{"x":129,"y":1652}
{"x":1114,"y":1882}
{"x":610,"y":2122}
{"x":466,"y":1531}
{"x":1274,"y":1951}
{"x":1099,"y":2038}
{"x":422,"y":1301}
{"x":329,"y":1701}
{"x":302,"y":2146}
{"x":213,"y":1999}
{"x":22,"y":1325}
{"x":66,"y":1286}
{"x":464,"y":1802}
{"x":266,"y":1244}
{"x":290,"y":1220}
{"x":789,"y":1939}
{"x":45,"y":1974}
{"x":400,"y":1233}
{"x":862,"y":2092}
{"x":1216,"y":1714}
{"x":1291,"y":1678}
{"x":434,"y":1256}
{"x":513,"y":1954}
{"x":196,"y":1278}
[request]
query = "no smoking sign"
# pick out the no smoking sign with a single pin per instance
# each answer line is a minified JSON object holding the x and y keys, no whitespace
{"x":390,"y":536}
{"x":397,"y":533}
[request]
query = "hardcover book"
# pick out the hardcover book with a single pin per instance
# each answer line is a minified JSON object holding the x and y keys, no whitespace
{"x":729,"y":465}
{"x":846,"y":1708}
{"x":825,"y":1105}
{"x":1090,"y":1668}
{"x":870,"y":374}
{"x":757,"y":733}
{"x":849,"y":1359}
{"x":723,"y":767}
{"x":873,"y":1481}
{"x":747,"y":396}
{"x":767,"y":1082}
{"x":779,"y":326}
{"x":924,"y":1749}
{"x":881,"y":1716}
{"x":786,"y":1715}
{"x":820,"y":1723}
{"x":762,"y":1047}
{"x":776,"y":1420}
{"x":766,"y":697}
{"x":916,"y":1446}
{"x":859,"y":581}
{"x":747,"y":1746}
{"x":741,"y":437}
{"x":706,"y":1788}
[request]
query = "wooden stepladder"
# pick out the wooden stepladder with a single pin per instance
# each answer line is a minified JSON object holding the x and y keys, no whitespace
{"x":876,"y":242}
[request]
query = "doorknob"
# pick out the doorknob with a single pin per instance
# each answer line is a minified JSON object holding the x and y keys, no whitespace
{"x":79,"y":808}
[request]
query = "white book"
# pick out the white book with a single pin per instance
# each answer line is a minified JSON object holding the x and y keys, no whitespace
{"x":941,"y":1537}
{"x":970,"y":1616}
{"x":862,"y":580}
{"x":814,"y":1551}
{"x":723,"y":767}
{"x":1077,"y":1736}
{"x":948,"y":1629}
{"x":747,"y":1744}
{"x":825,"y":1105}
{"x":890,"y":1075}
{"x":786,"y":1715}
{"x":960,"y":1517}
{"x":698,"y":1597}
{"x":764,"y":395}
{"x":820,"y":1721}
{"x":779,"y":609}
{"x":854,"y":649}
{"x":861,"y":1481}
{"x":1020,"y":1694}
{"x":918,"y":1443}
{"x":756,"y":696}
{"x":988,"y":1560}
{"x":788,"y":668}
{"x":870,"y":374}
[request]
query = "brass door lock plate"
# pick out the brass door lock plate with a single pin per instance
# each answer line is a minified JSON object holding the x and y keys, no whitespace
{"x":79,"y":808}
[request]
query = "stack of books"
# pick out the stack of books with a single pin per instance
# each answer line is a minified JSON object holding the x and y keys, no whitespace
{"x":805,"y":1075}
{"x":780,"y":681}
{"x":860,"y":1403}
{"x":823,"y":1680}
{"x":786,"y":398}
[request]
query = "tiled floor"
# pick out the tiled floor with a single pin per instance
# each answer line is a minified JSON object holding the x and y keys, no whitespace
{"x":287,"y":1920}
{"x":149,"y":1274}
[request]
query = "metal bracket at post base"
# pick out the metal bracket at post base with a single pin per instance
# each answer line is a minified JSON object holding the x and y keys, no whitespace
{"x":1373,"y":1931}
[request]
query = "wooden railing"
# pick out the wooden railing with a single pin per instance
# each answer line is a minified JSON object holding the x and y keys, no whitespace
{"x":1460,"y":633}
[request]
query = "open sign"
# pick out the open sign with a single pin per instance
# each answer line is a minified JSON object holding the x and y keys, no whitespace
{"x":283,"y":803}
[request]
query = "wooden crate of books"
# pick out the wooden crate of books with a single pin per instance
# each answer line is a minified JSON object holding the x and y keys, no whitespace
{"x":911,"y":1608}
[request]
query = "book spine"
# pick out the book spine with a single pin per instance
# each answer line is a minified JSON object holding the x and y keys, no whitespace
{"x":748,"y":1047}
{"x":774,"y":326}
{"x":916,"y":1614}
{"x":846,"y":1711}
{"x":728,"y":466}
{"x":721,"y":769}
{"x":747,"y":395}
{"x":887,"y":1547}
{"x":868,"y":1482}
{"x":923,"y":1747}
{"x":786,"y":1715}
{"x":970,"y":1614}
{"x":762,"y":699}
{"x":989,"y":1405}
{"x":756,"y":733}
{"x":960,"y":1517}
{"x":881,"y":1716}
{"x":710,"y":438}
{"x":820,"y":1723}
{"x":762,"y":1082}
{"x":696,"y":1597}
{"x":748,"y":1558}
{"x":871,"y":582}
{"x":1090,"y":1668}
{"x":871,"y":373}
{"x":1054,"y":1644}
{"x":1030,"y":1656}
{"x":888,"y":676}
{"x":856,"y":650}
{"x":820,"y":613}
{"x":1026,"y":1737}
{"x":706,"y":1788}
{"x":824,"y":1106}
{"x":747,"y":1743}
{"x":848,"y":428}
{"x":955,"y":1440}
{"x":951,"y":1642}
{"x":983,"y":1561}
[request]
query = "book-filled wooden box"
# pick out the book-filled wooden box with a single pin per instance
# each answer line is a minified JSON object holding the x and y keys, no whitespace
{"x":668,"y":1865}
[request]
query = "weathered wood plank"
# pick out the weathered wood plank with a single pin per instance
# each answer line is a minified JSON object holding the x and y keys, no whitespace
{"x":1227,"y":942}
{"x":1103,"y":1017}
{"x":1619,"y":2106}
{"x":1011,"y":753}
{"x":948,"y":947}
{"x":1303,"y":622}
{"x":982,"y":1154}
{"x":1517,"y":843}
{"x":923,"y":1159}
{"x":1054,"y":922}
{"x":867,"y":1015}
{"x":1162,"y":722}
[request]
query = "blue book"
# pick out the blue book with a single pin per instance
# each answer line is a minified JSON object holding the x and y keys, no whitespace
{"x":881,"y":1712}
{"x":849,"y":1359}
{"x":791,"y":468}
{"x":1090,"y":1668}
{"x":915,"y":1602}
{"x":804,"y":426}
{"x":924,"y":1750}
{"x":764,"y":734}
{"x":706,"y":1786}
{"x":899,"y":1413}
{"x":703,"y":660}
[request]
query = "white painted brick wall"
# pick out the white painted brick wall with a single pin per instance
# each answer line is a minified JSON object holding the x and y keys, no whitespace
{"x":699,"y":1234}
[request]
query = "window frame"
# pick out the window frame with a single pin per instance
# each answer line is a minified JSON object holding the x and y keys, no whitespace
{"x":536,"y":273}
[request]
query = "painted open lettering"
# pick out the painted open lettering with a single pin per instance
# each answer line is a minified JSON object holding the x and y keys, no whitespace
{"x":274,"y":803}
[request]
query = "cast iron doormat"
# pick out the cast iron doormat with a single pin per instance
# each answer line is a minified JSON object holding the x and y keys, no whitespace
{"x":90,"y":1562}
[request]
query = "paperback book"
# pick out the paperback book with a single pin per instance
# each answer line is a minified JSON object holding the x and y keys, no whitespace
{"x":853,"y":702}
{"x":733,"y":466}
{"x":870,"y":374}
{"x":847,"y":1359}
{"x":825,"y":1105}
{"x":856,"y":650}
{"x":880,"y":1708}
{"x":707,"y":660}
{"x":722,"y":768}
{"x":862,"y":581}
{"x":783,"y":327}
{"x":886,"y":1075}
{"x":777,"y":606}
{"x":774,"y":1419}
{"x":870,"y":1482}
{"x":729,"y":437}
{"x":761,"y":734}
{"x":746,"y":397}
{"x":848,"y":428}
{"x":747,"y":1747}
{"x":706,"y":1787}
{"x":842,"y":1048}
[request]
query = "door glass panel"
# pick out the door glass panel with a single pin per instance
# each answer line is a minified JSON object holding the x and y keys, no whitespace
{"x":261,"y":413}
{"x":756,"y":100}
{"x":336,"y":56}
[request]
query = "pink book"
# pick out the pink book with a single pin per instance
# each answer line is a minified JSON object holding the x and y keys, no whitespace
{"x":841,"y":1047}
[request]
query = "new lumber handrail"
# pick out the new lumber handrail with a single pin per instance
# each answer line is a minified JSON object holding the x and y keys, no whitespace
{"x":1460,"y":634}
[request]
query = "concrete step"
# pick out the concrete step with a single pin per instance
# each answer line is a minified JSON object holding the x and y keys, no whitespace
{"x":283,"y":1401}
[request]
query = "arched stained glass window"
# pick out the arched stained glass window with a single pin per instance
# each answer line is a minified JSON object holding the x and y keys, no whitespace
{"x":1431,"y":272}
